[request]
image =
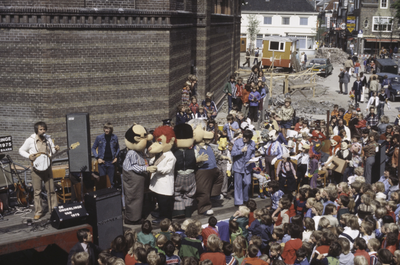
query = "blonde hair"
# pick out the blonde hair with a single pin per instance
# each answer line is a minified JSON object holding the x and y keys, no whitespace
{"x":397,"y":256}
{"x":311,"y":201}
{"x":380,"y":212}
{"x":380,"y":187}
{"x":359,"y":171}
{"x":345,"y":218}
{"x":214,"y":243}
{"x":360,"y":179}
{"x":237,"y":249}
{"x":198,"y":225}
{"x":360,"y":260}
{"x":345,"y":244}
{"x":80,"y":258}
{"x":366,"y":199}
{"x":153,"y":258}
{"x":244,"y":211}
{"x":374,"y":243}
{"x":186,"y":223}
{"x":345,"y":187}
{"x":319,"y":207}
{"x":161,"y":239}
{"x":324,"y":223}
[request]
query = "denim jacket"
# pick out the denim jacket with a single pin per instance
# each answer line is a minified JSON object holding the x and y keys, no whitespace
{"x":100,"y":143}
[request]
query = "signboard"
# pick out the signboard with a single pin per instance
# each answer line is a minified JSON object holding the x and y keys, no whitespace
{"x":351,"y":23}
{"x":6,"y":144}
{"x":343,"y":25}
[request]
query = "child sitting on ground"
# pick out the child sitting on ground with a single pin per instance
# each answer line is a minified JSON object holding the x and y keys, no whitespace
{"x":242,"y":218}
{"x":275,"y":252}
{"x":145,"y":236}
{"x":160,"y":242}
{"x":275,"y":193}
{"x":171,"y":258}
{"x":228,"y":250}
{"x":289,"y":252}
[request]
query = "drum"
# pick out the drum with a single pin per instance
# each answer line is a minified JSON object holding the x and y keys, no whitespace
{"x":42,"y":162}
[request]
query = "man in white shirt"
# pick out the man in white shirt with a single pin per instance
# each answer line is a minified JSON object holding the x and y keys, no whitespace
{"x":41,"y":143}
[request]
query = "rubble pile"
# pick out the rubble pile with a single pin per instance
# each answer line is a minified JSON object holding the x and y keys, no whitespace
{"x":336,"y":55}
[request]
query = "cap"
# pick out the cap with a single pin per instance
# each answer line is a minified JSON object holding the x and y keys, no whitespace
{"x":167,"y":122}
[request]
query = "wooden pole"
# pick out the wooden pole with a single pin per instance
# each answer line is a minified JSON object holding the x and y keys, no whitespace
{"x":286,"y":84}
{"x":270,"y":85}
{"x":327,"y":124}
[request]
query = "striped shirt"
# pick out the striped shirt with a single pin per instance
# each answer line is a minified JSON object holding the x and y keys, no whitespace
{"x":134,"y":161}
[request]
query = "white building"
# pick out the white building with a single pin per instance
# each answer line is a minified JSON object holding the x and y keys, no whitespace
{"x":293,"y":18}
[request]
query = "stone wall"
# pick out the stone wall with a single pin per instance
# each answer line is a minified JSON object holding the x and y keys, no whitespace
{"x":121,"y":66}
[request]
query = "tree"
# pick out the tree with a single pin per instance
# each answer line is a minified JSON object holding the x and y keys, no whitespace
{"x":252,"y":28}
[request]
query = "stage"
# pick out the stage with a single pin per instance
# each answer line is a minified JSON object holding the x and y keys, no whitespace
{"x":21,"y":239}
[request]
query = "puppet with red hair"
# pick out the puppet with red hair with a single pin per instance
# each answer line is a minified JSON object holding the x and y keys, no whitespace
{"x":335,"y":145}
{"x":162,"y":181}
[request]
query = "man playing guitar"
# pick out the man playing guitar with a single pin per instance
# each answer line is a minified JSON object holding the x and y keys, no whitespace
{"x":37,"y":144}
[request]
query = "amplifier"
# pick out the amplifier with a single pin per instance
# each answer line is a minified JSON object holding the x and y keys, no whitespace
{"x":68,"y":215}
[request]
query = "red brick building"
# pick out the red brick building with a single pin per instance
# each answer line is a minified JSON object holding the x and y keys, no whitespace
{"x":123,"y":61}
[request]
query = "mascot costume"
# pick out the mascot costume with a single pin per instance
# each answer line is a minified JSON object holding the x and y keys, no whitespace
{"x":223,"y":158}
{"x":185,"y":167}
{"x":135,"y":172}
{"x":208,"y":178}
{"x":273,"y":152}
{"x":162,"y":181}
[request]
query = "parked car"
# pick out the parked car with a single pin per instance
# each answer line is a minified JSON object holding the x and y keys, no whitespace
{"x":387,"y":66}
{"x":394,"y":87}
{"x":321,"y":66}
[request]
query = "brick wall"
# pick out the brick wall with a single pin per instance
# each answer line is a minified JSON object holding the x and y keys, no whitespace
{"x":118,"y":75}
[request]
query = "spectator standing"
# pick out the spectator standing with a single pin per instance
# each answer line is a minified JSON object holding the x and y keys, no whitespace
{"x":357,"y":90}
{"x":238,"y":95}
{"x":382,"y":100}
{"x":229,"y":90}
{"x":256,"y":54}
{"x":372,"y":119}
{"x":254,"y":100}
{"x":105,"y":149}
{"x":349,"y":64}
{"x":247,"y":57}
{"x":369,"y":156}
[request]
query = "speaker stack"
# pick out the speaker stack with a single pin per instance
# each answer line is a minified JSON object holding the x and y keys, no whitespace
{"x":105,"y":215}
{"x":78,"y":130}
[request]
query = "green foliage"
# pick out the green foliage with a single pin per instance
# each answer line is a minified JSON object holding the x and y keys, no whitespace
{"x":396,"y":5}
{"x":252,"y":28}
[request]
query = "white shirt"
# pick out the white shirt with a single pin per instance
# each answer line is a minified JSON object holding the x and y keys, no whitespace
{"x":162,"y":181}
{"x":29,"y":147}
{"x":371,"y":100}
{"x":302,"y":158}
{"x":346,"y":129}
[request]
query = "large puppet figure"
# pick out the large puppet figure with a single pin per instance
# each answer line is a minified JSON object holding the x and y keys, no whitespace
{"x":162,"y":181}
{"x":208,"y":178}
{"x":185,"y":167}
{"x":135,"y":172}
{"x":273,"y":152}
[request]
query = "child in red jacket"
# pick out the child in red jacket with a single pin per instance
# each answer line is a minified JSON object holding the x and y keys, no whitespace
{"x":291,"y":246}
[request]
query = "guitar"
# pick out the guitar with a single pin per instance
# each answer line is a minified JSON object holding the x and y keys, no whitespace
{"x":42,"y":161}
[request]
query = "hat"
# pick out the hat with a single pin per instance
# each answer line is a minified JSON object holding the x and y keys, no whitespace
{"x":188,"y":83}
{"x":285,"y":155}
{"x":306,"y":146}
{"x":209,"y":94}
{"x":344,"y":145}
{"x":288,"y":100}
{"x":166,"y":122}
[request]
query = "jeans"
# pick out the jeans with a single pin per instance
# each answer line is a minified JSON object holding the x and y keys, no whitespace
{"x":242,"y":184}
{"x":357,"y":97}
{"x":381,"y":108}
{"x":368,"y":169}
{"x":107,"y":168}
{"x":229,"y":103}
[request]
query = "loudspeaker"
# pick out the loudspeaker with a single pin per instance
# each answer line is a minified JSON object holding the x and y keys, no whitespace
{"x":78,"y":130}
{"x":68,"y":215}
{"x":105,"y":215}
{"x":380,"y":162}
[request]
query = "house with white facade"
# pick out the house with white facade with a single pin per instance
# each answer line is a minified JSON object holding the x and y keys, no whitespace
{"x":291,"y":18}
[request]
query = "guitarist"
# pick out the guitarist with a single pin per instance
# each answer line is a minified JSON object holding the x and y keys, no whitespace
{"x":38,"y":143}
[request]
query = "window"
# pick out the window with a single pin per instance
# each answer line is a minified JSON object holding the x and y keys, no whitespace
{"x":285,"y":20}
{"x":268,"y":20}
{"x":366,"y":23}
{"x":384,"y":4}
{"x":335,"y":6}
{"x":304,"y":21}
{"x":276,"y":46}
{"x":259,"y":40}
{"x":382,"y":24}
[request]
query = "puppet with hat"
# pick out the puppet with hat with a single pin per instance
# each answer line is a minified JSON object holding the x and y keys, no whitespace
{"x":162,"y":181}
{"x":185,"y":167}
{"x":303,"y":160}
{"x":273,"y":152}
{"x":315,"y":156}
{"x":208,"y":178}
{"x":135,"y":172}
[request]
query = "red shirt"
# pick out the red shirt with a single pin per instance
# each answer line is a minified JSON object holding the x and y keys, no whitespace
{"x":217,"y":258}
{"x":292,"y":211}
{"x":324,"y":249}
{"x":362,"y":253}
{"x":251,"y":218}
{"x":280,"y":218}
{"x":289,"y":252}
{"x":206,"y":232}
{"x":130,"y":260}
{"x":253,"y":261}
